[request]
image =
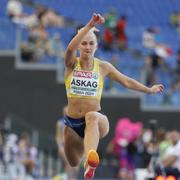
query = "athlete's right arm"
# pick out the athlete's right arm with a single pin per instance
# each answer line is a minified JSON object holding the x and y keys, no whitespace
{"x":70,"y":58}
{"x":70,"y":54}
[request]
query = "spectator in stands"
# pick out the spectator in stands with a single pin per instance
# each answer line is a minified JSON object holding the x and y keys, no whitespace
{"x":72,"y":172}
{"x":111,"y":19}
{"x":155,"y":61}
{"x":142,"y":155}
{"x":28,"y":52}
{"x":149,"y":38}
{"x":48,"y":17}
{"x":34,"y":48}
{"x":14,"y":9}
{"x":171,"y":159}
{"x":37,"y":46}
{"x":121,"y":36}
{"x":175,"y":20}
{"x":41,"y":39}
{"x":39,"y":32}
{"x":109,"y":30}
{"x":164,"y":141}
{"x":40,"y":44}
{"x":163,"y":50}
{"x":149,"y":75}
{"x":157,"y":145}
{"x":147,"y":141}
{"x":152,"y":39}
{"x":16,"y":14}
{"x":108,"y":39}
{"x":27,"y":154}
{"x":10,"y":155}
{"x":56,"y":46}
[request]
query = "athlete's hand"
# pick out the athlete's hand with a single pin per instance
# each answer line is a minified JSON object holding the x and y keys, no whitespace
{"x":96,"y":19}
{"x":158,"y":88}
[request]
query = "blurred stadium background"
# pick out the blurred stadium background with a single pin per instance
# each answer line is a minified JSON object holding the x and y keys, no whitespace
{"x":141,"y":38}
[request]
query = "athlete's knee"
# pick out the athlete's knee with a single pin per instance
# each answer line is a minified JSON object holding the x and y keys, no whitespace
{"x":91,"y":117}
{"x":74,"y":163}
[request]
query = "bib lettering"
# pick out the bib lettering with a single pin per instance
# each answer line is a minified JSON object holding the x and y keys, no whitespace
{"x":84,"y":83}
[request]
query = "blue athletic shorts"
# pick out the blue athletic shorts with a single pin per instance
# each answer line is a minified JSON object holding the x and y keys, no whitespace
{"x":78,"y":125}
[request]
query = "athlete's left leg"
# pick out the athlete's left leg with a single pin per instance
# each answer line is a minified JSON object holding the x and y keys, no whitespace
{"x":97,"y":126}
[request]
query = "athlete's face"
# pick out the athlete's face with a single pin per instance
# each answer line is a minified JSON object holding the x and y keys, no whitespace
{"x":88,"y":45}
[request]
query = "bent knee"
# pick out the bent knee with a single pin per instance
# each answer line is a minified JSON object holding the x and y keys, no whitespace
{"x":91,"y":117}
{"x":74,"y":163}
{"x":104,"y":132}
{"x":73,"y":157}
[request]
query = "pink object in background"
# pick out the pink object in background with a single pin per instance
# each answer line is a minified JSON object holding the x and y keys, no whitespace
{"x":127,"y":131}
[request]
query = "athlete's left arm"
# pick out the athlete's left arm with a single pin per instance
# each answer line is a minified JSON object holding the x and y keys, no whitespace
{"x":128,"y":82}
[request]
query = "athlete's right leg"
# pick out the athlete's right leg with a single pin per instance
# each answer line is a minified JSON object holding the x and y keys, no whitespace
{"x":73,"y":146}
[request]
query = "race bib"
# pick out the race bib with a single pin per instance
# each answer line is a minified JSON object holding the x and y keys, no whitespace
{"x":84,"y":83}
